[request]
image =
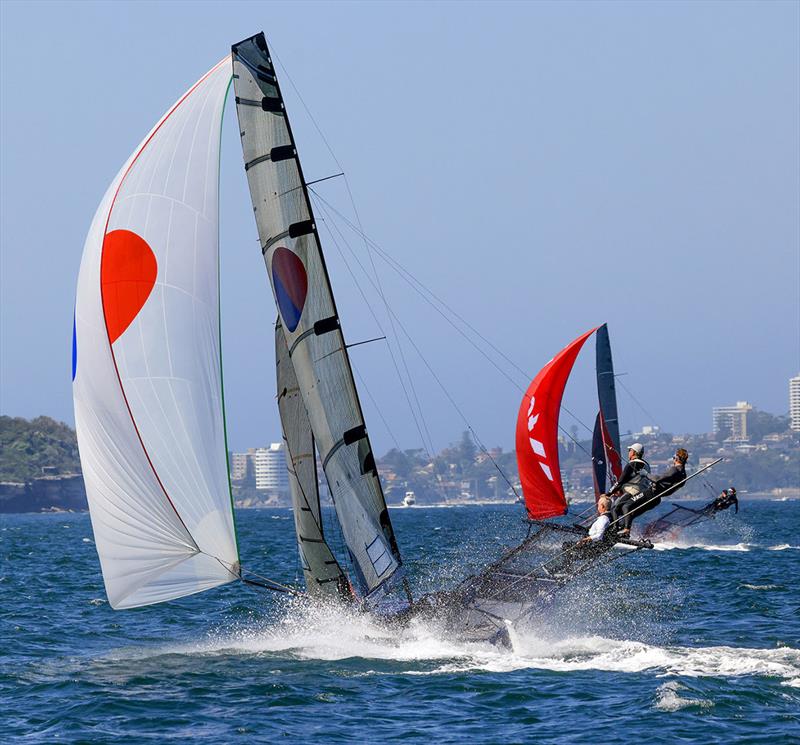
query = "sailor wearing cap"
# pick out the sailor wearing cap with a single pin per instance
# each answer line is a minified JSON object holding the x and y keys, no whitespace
{"x":635,"y":477}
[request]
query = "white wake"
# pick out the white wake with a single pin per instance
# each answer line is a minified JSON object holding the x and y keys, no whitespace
{"x":333,"y":634}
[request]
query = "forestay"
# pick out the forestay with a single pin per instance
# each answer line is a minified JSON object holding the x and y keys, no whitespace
{"x":146,"y":369}
{"x":322,"y":572}
{"x":296,"y":269}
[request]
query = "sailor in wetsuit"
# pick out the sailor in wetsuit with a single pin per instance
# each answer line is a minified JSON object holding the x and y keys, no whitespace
{"x":667,"y":483}
{"x":727,"y":499}
{"x":633,"y":481}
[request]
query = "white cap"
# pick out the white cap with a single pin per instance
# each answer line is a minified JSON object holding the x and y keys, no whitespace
{"x":637,"y":448}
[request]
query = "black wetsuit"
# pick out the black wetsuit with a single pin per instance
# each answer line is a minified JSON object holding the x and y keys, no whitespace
{"x":628,"y":507}
{"x":723,"y":502}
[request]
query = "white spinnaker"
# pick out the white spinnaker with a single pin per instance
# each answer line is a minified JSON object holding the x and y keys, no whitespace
{"x":299,"y":280}
{"x":323,"y":575}
{"x":148,"y":407}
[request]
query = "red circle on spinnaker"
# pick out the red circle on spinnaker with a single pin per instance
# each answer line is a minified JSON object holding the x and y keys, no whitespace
{"x":128,"y":271}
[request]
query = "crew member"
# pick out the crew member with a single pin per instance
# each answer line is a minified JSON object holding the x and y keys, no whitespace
{"x":635,"y":476}
{"x":627,"y":508}
{"x":594,"y":544}
{"x":633,"y":481}
{"x":597,"y":530}
{"x":727,"y":499}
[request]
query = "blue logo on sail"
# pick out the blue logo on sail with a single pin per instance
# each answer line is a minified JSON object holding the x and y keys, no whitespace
{"x":290,"y":281}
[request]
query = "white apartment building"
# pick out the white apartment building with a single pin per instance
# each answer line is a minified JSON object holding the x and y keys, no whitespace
{"x":270,"y":468}
{"x":794,"y":403}
{"x":732,"y":419}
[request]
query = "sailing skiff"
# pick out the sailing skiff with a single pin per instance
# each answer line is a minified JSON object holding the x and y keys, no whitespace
{"x":148,"y":393}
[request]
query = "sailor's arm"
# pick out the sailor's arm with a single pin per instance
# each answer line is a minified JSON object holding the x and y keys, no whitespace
{"x":624,"y":478}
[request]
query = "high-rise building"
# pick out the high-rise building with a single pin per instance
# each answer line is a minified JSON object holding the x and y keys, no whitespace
{"x":270,"y":468}
{"x":733,"y":420}
{"x":239,"y":466}
{"x":794,"y":403}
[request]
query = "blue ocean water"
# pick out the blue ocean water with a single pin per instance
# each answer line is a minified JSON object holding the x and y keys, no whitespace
{"x":697,"y":641}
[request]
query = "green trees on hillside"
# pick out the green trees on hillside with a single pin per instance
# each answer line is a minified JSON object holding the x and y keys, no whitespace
{"x":28,"y":447}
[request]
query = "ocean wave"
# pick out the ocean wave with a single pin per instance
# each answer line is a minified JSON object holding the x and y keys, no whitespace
{"x":331,"y":634}
{"x":669,"y":698}
{"x":679,"y":545}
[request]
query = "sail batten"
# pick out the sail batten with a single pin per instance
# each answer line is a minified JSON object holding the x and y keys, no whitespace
{"x":310,"y":321}
{"x":147,"y":383}
{"x":321,"y":570}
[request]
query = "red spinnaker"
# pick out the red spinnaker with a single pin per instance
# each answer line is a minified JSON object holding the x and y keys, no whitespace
{"x":537,"y":435}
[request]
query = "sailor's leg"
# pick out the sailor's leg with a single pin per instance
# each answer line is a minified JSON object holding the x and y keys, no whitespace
{"x":646,"y":502}
{"x":628,"y":510}
{"x":618,"y":511}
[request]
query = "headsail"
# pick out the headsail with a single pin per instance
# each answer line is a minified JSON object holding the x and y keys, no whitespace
{"x":296,"y":268}
{"x":537,"y":435}
{"x":146,"y":383}
{"x":322,"y":572}
{"x":607,"y":396}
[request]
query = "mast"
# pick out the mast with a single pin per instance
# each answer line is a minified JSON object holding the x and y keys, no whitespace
{"x":296,"y":268}
{"x":323,"y":575}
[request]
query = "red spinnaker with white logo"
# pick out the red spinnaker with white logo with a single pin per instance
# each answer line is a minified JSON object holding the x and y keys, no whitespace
{"x":537,"y":435}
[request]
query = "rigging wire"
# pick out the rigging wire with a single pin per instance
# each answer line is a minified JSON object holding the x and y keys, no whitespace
{"x":389,"y":346}
{"x":429,"y":447}
{"x":703,"y":479}
{"x":430,"y":369}
{"x":636,"y":400}
{"x":431,"y":298}
{"x":366,"y":244}
{"x":392,"y":316}
{"x":363,"y":382}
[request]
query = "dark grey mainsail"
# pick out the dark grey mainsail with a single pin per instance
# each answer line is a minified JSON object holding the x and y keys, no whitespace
{"x":607,"y":391}
{"x":296,"y":268}
{"x":323,"y":575}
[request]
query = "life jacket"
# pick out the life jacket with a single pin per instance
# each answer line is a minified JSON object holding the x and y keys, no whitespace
{"x":640,"y":479}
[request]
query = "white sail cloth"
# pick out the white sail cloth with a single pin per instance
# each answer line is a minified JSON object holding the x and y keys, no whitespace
{"x":299,"y":280}
{"x":147,"y":382}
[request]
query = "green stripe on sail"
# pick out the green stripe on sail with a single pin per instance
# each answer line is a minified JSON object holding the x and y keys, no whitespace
{"x":219,"y":326}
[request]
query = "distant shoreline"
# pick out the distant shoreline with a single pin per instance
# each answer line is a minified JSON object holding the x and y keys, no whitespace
{"x":778,"y":495}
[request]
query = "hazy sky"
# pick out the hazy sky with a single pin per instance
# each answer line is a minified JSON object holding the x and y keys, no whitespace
{"x":541,"y":167}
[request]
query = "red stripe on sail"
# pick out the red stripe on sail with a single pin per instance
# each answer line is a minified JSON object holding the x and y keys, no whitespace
{"x":612,"y":456}
{"x":537,"y":435}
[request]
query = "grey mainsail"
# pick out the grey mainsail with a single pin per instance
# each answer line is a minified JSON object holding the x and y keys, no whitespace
{"x":323,"y":575}
{"x":296,"y":269}
{"x":607,"y":394}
